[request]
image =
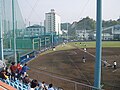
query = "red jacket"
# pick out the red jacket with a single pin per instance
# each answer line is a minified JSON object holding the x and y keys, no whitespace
{"x":13,"y":68}
{"x":19,"y":68}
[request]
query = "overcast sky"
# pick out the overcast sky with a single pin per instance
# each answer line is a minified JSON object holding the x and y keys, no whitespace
{"x":69,"y":10}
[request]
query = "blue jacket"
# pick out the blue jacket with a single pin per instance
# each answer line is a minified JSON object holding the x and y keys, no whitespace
{"x":24,"y":69}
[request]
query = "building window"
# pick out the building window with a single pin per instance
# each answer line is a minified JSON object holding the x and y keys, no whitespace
{"x":37,"y":29}
{"x":33,"y":29}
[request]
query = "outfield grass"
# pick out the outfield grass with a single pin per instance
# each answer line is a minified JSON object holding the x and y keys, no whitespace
{"x":73,"y":45}
{"x":111,"y":44}
{"x":93,"y":44}
{"x":59,"y":47}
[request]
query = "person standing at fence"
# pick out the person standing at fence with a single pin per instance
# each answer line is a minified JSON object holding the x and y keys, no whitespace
{"x":19,"y":68}
{"x":24,"y":70}
{"x":27,"y":56}
{"x":13,"y":69}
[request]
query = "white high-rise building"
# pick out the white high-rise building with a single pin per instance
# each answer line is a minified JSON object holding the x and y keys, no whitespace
{"x":52,"y":22}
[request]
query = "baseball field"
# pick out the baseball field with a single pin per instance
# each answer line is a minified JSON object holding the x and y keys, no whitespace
{"x":64,"y":66}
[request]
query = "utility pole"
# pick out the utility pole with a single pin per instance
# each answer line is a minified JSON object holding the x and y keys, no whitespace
{"x":39,"y":44}
{"x":14,"y":33}
{"x":97,"y":75}
{"x":1,"y":33}
{"x":58,"y":33}
{"x":67,"y":32}
{"x":44,"y":38}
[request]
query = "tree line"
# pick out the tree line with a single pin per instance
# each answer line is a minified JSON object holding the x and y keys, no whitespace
{"x":86,"y":24}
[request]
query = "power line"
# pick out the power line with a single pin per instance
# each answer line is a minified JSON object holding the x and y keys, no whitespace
{"x":83,"y":9}
{"x":32,"y":9}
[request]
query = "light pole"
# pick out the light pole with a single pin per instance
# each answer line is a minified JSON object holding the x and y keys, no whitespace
{"x":14,"y":33}
{"x":1,"y":36}
{"x":97,"y":75}
{"x":58,"y":33}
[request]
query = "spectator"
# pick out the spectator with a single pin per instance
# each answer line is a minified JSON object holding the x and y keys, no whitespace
{"x":3,"y":74}
{"x":26,"y":80}
{"x":13,"y":69}
{"x":24,"y":70}
{"x":8,"y":72}
{"x":115,"y":64}
{"x":50,"y":87}
{"x":27,"y":56}
{"x":43,"y":86}
{"x":34,"y":84}
{"x":19,"y":68}
{"x":2,"y":65}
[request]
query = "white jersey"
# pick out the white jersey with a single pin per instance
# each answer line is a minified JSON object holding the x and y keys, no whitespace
{"x":115,"y":63}
{"x":50,"y":88}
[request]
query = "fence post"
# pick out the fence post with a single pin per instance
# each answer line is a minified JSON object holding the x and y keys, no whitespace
{"x":33,"y":44}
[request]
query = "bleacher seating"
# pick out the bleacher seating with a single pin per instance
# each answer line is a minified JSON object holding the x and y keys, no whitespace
{"x":16,"y":84}
{"x":5,"y":86}
{"x":20,"y":86}
{"x":25,"y":60}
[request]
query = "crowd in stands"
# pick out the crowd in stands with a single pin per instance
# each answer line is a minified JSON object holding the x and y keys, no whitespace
{"x":17,"y":72}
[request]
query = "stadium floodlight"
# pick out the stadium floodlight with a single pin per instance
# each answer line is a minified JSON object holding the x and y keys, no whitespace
{"x":97,"y":75}
{"x":1,"y":31}
{"x":14,"y":33}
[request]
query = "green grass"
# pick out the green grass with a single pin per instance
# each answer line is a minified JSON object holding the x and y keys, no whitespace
{"x":64,"y":47}
{"x":82,"y":45}
{"x":73,"y":45}
{"x":93,"y":44}
{"x":111,"y":44}
{"x":46,"y":52}
{"x":59,"y":48}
